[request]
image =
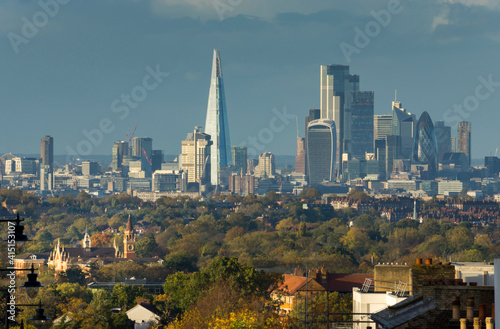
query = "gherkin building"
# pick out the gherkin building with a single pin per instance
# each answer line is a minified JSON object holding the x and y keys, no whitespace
{"x":425,"y":143}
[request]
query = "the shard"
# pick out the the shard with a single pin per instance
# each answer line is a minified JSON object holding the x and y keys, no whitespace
{"x":216,"y":124}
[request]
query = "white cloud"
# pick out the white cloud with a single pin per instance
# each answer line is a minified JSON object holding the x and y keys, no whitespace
{"x":266,"y":9}
{"x":441,"y":19}
{"x":492,"y":4}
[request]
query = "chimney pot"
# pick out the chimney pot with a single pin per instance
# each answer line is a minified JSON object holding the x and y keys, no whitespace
{"x":470,"y":308}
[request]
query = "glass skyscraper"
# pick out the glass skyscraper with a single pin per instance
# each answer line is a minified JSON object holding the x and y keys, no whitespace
{"x":425,"y":143}
{"x":403,"y":125}
{"x":335,"y":94}
{"x":216,"y":124}
{"x":321,"y":150}
{"x":361,"y":123}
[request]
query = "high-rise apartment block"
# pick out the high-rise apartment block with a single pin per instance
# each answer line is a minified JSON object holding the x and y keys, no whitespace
{"x":267,"y":166}
{"x":120,"y":150}
{"x":216,"y":124}
{"x":464,"y":138}
{"x":300,"y":159}
{"x":47,"y":151}
{"x":196,"y":157}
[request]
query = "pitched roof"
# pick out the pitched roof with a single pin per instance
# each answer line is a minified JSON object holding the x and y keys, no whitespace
{"x":39,"y":256}
{"x":293,"y":283}
{"x":345,"y":282}
{"x":101,"y":252}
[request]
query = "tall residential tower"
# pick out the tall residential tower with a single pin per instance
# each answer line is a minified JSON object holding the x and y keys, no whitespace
{"x":463,"y":136}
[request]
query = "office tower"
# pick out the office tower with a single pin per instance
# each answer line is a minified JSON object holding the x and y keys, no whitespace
{"x":142,"y":147}
{"x":239,"y":158}
{"x":463,"y":135}
{"x":314,"y":114}
{"x":156,"y":160}
{"x":321,"y":150}
{"x":425,"y":143}
{"x":443,"y":137}
{"x":300,"y":159}
{"x":195,"y":158}
{"x":382,"y":126}
{"x":47,"y":151}
{"x":336,"y":85}
{"x":380,"y":155}
{"x":403,"y":125}
{"x":216,"y":124}
{"x":492,"y":164}
{"x":361,"y":123}
{"x":47,"y":163}
{"x":392,"y":147}
{"x":120,"y":150}
{"x":453,"y":148}
{"x":267,"y":166}
{"x":90,"y":168}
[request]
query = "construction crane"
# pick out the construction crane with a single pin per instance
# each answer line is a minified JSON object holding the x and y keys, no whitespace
{"x":129,"y":138}
{"x":148,"y":160}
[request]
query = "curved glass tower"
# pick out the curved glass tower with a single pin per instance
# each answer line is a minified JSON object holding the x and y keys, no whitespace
{"x":321,"y":140}
{"x":425,"y":143}
{"x":216,"y":124}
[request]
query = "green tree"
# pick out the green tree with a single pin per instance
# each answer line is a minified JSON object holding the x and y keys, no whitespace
{"x":147,"y":246}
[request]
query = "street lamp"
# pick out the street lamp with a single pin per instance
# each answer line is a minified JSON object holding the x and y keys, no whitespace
{"x":32,"y":285}
{"x":39,"y":317}
{"x":19,"y":237}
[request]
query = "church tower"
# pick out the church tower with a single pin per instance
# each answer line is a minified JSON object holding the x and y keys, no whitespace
{"x":129,"y":241}
{"x":86,"y":243}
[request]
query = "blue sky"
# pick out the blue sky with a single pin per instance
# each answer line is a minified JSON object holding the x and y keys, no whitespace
{"x":64,"y":77}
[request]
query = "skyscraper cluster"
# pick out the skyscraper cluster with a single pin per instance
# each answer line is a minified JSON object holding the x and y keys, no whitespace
{"x":364,"y":144}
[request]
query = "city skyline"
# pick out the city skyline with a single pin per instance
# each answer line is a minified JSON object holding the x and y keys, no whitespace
{"x":265,"y":65}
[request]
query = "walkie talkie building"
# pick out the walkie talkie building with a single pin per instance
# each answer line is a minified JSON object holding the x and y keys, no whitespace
{"x":321,"y":140}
